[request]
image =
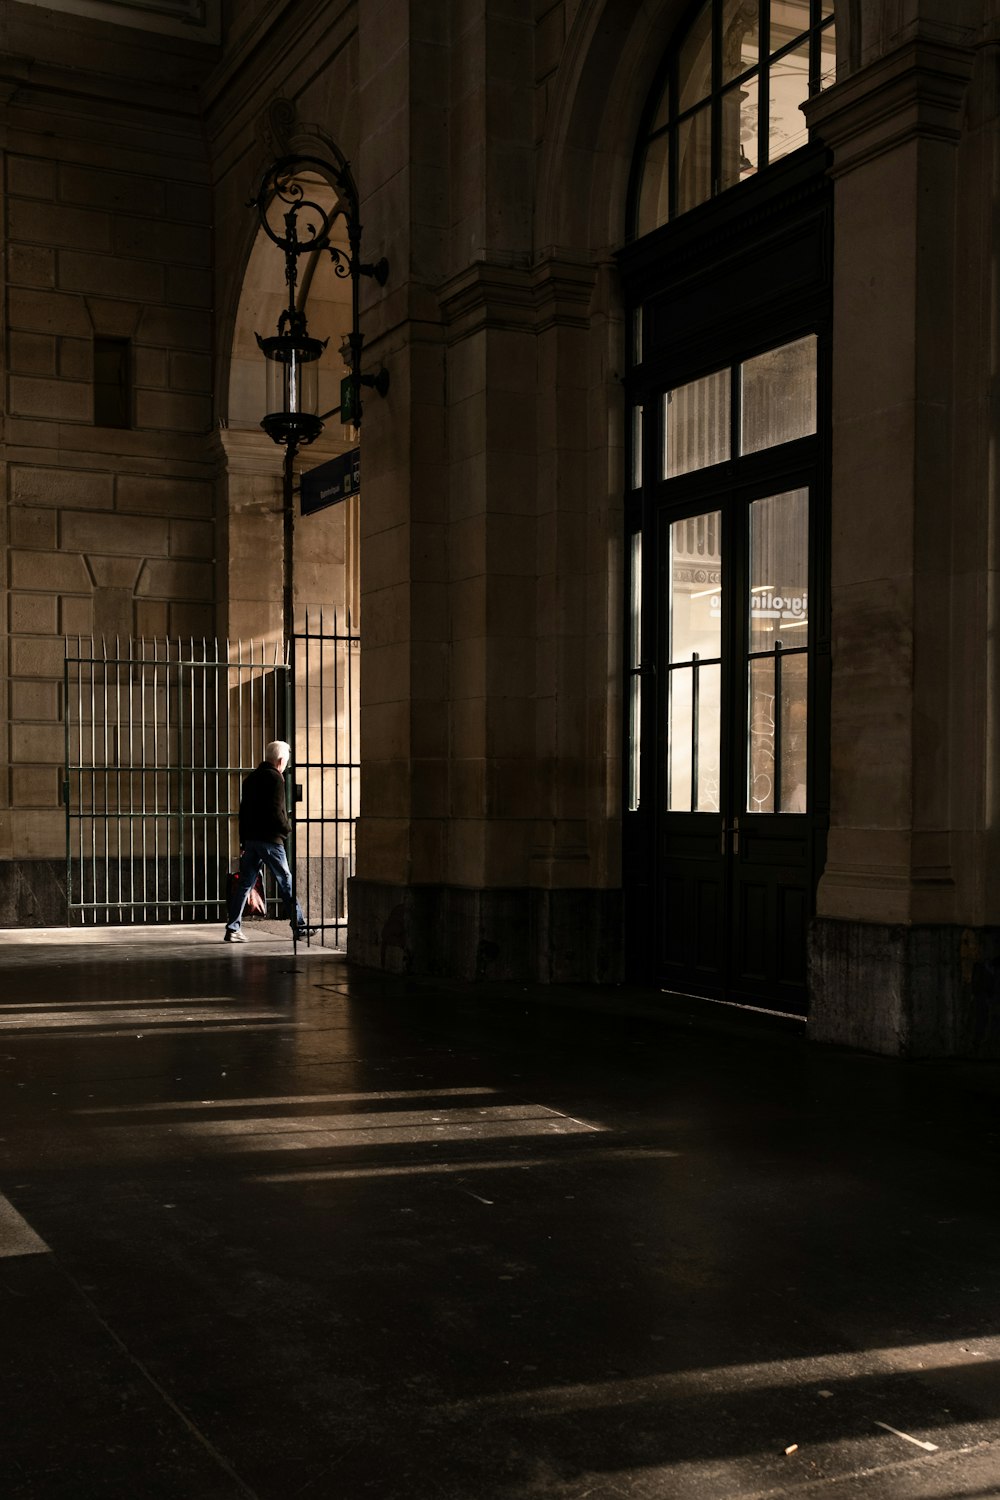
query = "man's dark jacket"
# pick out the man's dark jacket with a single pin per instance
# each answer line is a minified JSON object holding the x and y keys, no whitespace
{"x":262,"y":806}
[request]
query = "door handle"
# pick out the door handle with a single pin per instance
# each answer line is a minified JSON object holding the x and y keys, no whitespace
{"x":735,"y":831}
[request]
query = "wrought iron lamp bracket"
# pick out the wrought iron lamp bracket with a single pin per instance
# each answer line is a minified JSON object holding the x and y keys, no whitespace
{"x":298,"y":225}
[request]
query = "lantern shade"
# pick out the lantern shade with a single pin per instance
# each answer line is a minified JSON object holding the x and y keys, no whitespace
{"x":292,"y":361}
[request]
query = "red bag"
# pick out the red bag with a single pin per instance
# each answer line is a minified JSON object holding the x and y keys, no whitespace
{"x":255,"y":904}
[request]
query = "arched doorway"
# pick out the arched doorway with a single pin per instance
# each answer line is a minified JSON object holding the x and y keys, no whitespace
{"x":727,"y":282}
{"x":322,"y":655}
{"x":325,"y":544}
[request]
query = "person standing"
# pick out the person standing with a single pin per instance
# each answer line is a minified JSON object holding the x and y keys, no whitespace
{"x":264,"y":826}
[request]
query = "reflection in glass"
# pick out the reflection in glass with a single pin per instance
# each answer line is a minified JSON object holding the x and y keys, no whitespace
{"x":778,"y":629}
{"x":654,"y":194}
{"x":739,"y":133}
{"x":696,"y":425}
{"x":760,"y":759}
{"x":794,"y":683}
{"x":779,"y":571}
{"x":778,"y":395}
{"x":787,"y":129}
{"x":777,"y":723}
{"x":694,"y":649}
{"x":635,"y":680}
{"x":789,"y":19}
{"x":694,"y":67}
{"x":694,"y":160}
{"x":740,"y":37}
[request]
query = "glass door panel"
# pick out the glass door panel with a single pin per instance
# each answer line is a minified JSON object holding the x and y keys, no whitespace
{"x":694,"y":650}
{"x":777,"y":656}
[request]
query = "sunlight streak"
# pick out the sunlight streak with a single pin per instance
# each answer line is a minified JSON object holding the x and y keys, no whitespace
{"x":459,"y":1168}
{"x":376,"y":1097}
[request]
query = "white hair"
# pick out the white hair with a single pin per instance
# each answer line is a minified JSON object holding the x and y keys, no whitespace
{"x":277,"y":750}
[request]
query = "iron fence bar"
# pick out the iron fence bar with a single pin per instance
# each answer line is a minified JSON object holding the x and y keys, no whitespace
{"x":134,"y":779}
{"x":350,"y":754}
{"x":204,"y":772}
{"x":131,"y":788}
{"x":66,"y":789}
{"x":323,"y":908}
{"x":93,"y":775}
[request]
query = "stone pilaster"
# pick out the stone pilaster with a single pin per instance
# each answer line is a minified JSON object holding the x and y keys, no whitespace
{"x":904,"y":741}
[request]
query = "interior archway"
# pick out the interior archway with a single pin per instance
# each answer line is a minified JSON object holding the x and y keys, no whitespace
{"x":325,"y":552}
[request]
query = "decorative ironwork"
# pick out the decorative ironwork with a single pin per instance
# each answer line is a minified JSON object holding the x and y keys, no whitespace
{"x":298,"y":225}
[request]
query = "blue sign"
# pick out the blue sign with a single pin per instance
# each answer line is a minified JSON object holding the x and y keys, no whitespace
{"x":330,"y":482}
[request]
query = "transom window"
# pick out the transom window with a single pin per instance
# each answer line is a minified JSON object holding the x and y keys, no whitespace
{"x":730,"y":102}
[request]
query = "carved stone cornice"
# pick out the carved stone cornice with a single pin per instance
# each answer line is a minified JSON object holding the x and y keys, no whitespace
{"x":554,"y":293}
{"x":914,"y":92}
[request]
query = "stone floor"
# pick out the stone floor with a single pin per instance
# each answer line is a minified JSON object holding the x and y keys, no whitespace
{"x":272,"y":1227}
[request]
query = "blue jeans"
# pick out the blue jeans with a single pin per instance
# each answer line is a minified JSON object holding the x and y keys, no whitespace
{"x":256,"y":854}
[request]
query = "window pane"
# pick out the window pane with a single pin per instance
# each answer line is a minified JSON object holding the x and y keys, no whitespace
{"x":778,"y":395}
{"x":709,"y":687}
{"x":794,"y":682}
{"x":679,"y":797}
{"x":694,"y":68}
{"x":760,"y":760}
{"x":112,"y":382}
{"x":740,"y":37}
{"x":654,"y":192}
{"x":693,"y":759}
{"x":696,"y":425}
{"x":787,"y":129}
{"x":694,"y":160}
{"x":738,"y":158}
{"x":827,"y":57}
{"x":695,"y":583}
{"x":637,"y":447}
{"x":634,"y":739}
{"x":789,"y":19}
{"x":635,"y":601}
{"x":779,"y":571}
{"x":662,"y":110}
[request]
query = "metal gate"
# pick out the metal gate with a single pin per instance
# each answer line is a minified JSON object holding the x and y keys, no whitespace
{"x":159,"y":735}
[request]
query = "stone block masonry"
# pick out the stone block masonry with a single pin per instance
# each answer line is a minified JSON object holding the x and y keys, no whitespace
{"x":109,"y":530}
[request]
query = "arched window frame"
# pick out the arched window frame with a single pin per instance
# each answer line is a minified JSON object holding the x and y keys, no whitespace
{"x":688,"y":151}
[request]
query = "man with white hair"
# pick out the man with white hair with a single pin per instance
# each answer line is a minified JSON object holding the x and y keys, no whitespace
{"x":264,"y":827}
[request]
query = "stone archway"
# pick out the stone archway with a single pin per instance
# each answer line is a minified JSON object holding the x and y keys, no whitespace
{"x":325,"y":545}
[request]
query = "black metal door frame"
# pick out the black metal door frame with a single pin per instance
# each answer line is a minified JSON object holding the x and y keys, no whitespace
{"x":743,"y":273}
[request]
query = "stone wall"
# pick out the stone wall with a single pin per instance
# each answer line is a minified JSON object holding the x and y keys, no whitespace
{"x":106,"y":531}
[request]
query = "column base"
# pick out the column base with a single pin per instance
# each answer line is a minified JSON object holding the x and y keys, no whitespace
{"x":537,"y":936}
{"x":920,"y":991}
{"x":33,"y":893}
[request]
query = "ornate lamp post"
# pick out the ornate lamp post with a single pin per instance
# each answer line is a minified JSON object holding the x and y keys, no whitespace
{"x":300,"y":226}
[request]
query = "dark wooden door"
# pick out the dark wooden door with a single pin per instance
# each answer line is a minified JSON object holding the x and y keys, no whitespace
{"x":735,"y":692}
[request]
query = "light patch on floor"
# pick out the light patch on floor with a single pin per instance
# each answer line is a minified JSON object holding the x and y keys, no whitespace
{"x":16,"y":1235}
{"x":378,"y":1097}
